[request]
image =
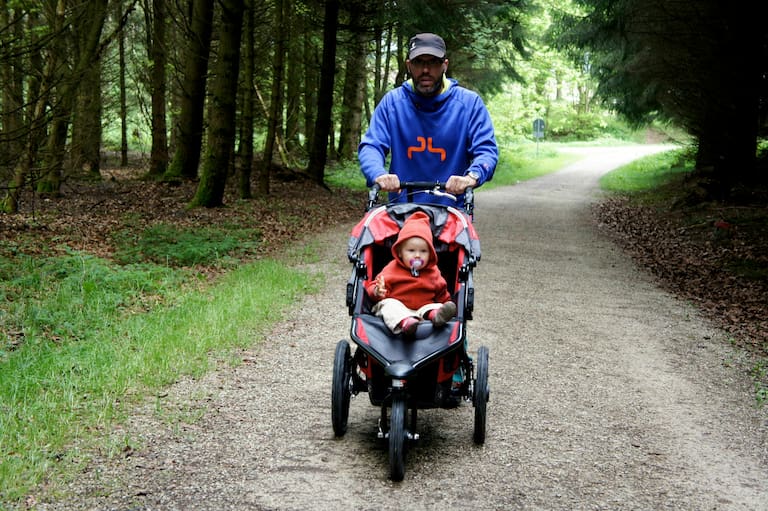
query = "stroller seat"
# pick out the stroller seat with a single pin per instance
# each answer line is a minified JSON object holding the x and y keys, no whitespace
{"x":454,"y":239}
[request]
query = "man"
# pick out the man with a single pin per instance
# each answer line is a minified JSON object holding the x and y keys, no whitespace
{"x":433,"y":129}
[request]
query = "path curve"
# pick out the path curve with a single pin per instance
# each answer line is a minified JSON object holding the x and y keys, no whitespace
{"x":607,"y":393}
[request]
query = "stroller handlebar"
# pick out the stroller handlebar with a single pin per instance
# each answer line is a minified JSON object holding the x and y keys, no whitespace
{"x":431,"y":187}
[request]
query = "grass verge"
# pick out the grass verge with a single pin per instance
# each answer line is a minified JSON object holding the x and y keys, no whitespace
{"x":522,"y":162}
{"x":93,"y":338}
{"x":648,"y":173}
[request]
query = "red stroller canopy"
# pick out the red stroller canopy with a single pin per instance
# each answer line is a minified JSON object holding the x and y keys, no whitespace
{"x":450,"y":226}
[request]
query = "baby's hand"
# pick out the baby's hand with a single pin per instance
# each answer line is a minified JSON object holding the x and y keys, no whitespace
{"x":381,"y":288}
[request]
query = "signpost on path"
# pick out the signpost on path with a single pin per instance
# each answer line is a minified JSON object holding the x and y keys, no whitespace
{"x":538,"y":132}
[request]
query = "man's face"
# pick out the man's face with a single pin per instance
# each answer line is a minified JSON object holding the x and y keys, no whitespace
{"x":427,"y":72}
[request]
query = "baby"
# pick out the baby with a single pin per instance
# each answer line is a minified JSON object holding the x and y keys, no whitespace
{"x":410,"y":287}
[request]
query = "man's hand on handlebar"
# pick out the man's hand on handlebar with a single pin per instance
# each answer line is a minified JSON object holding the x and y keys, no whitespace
{"x":455,"y":185}
{"x":458,"y":184}
{"x":388,"y":182}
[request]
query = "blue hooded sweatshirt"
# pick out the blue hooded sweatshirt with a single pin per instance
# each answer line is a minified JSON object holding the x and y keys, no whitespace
{"x":429,"y":138}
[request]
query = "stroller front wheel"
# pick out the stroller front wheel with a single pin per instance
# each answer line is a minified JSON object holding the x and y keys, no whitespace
{"x":341,"y":391}
{"x":397,"y":436}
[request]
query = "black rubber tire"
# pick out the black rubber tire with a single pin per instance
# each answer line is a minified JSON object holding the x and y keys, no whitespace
{"x":341,"y":391}
{"x":397,"y":444}
{"x":481,"y":394}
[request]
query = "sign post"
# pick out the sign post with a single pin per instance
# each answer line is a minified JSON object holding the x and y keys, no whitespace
{"x":538,"y":132}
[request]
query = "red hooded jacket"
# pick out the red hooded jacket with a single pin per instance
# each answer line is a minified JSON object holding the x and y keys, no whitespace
{"x":429,"y":286}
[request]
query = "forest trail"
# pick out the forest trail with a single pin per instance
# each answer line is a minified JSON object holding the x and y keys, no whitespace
{"x":606,"y":393}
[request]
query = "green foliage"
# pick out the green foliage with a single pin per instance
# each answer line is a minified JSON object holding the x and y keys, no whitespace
{"x":762,"y":148}
{"x":511,"y":117}
{"x":485,"y":40}
{"x":70,"y":297}
{"x":569,"y":124}
{"x":345,"y":174}
{"x":166,"y":244}
{"x":514,"y":110}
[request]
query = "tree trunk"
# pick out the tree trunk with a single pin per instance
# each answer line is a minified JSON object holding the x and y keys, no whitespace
{"x":59,"y":94}
{"x":213,"y":176}
{"x":747,"y":70}
{"x":319,"y":152}
{"x":354,"y":86}
{"x":727,"y":143}
{"x":88,"y":21}
{"x":293,"y":87}
{"x":186,"y":158}
{"x":276,"y":101}
{"x":246,"y":121}
{"x":378,"y":33}
{"x":35,"y":113}
{"x":381,"y":73}
{"x":123,"y":96}
{"x":87,"y":104}
{"x":53,"y":157}
{"x":12,"y":78}
{"x":86,"y":126}
{"x":399,"y":57}
{"x":311,"y":85}
{"x":158,"y":160}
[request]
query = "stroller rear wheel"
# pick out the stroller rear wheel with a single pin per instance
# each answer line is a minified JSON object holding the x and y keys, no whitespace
{"x":481,"y":394}
{"x":341,"y":391}
{"x":397,"y":437}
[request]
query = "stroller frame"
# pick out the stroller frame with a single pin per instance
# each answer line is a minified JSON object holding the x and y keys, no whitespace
{"x":431,"y":370}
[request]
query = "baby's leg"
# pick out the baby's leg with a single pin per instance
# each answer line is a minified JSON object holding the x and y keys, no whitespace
{"x":393,"y":312}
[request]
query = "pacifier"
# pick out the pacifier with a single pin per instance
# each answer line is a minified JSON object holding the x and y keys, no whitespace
{"x":415,"y":264}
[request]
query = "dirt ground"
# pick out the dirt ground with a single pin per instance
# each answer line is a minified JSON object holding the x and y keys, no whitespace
{"x":607,"y":392}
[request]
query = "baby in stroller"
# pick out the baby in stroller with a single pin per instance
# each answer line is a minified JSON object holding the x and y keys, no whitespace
{"x":411,"y":287}
{"x":427,"y":295}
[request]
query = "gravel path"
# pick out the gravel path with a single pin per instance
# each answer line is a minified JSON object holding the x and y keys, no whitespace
{"x":606,"y":393}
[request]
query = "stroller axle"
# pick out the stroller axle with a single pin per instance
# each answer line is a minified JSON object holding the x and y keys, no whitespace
{"x":384,"y":435}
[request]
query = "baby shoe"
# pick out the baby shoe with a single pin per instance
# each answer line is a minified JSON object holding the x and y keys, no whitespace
{"x":444,"y":313}
{"x":408,"y":326}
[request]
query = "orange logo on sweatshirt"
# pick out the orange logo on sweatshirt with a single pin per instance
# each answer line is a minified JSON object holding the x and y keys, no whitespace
{"x":426,"y":145}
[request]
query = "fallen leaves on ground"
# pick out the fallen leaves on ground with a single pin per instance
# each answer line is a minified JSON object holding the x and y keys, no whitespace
{"x":714,"y":254}
{"x":86,"y":215}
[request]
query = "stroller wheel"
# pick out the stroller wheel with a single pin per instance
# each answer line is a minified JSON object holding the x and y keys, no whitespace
{"x":397,"y":438}
{"x":341,"y":391}
{"x":481,"y":394}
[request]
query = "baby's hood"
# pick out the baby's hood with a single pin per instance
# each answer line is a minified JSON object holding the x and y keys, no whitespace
{"x":417,"y":225}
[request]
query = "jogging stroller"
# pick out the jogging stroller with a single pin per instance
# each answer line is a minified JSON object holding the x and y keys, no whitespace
{"x":431,"y":370}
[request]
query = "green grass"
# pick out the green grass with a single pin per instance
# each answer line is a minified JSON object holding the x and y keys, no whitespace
{"x":92,"y":337}
{"x":73,"y":296}
{"x":649,"y":173}
{"x":166,"y":244}
{"x":345,"y":175}
{"x":522,"y":162}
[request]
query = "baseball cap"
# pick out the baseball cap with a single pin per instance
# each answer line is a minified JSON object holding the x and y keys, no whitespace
{"x":426,"y":44}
